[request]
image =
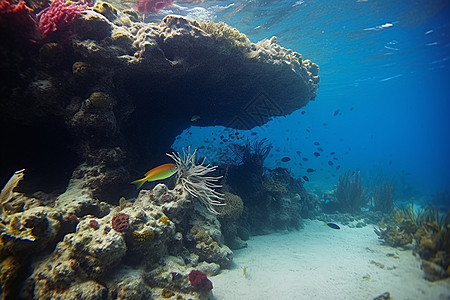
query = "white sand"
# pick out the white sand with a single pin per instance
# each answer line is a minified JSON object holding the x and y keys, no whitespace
{"x":321,"y":263}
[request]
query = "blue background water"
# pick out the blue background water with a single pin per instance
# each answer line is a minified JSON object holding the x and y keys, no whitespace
{"x":383,"y":64}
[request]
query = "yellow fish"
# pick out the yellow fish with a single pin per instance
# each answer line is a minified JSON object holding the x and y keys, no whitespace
{"x":159,"y":173}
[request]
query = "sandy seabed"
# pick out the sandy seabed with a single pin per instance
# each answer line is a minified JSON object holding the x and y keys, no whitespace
{"x":317,"y":262}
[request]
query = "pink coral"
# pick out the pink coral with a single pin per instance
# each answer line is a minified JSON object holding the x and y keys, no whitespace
{"x":199,"y":279}
{"x":145,"y":6}
{"x":57,"y":20}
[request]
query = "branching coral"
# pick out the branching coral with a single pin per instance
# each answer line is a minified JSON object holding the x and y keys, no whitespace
{"x":58,"y":19}
{"x":8,"y":189}
{"x":383,"y":196}
{"x":191,"y":175}
{"x":349,"y":192}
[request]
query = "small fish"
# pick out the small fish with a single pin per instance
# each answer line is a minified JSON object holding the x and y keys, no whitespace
{"x":332,"y":153}
{"x":307,"y":130}
{"x":332,"y":225}
{"x":245,"y":272}
{"x":159,"y":173}
{"x":195,"y":118}
{"x":310,"y":170}
{"x":254,"y":133}
{"x":285,"y":159}
{"x":320,"y":149}
{"x":298,"y":152}
{"x":330,"y":163}
{"x":305,"y":159}
{"x":303,"y":112}
{"x":336,"y":113}
{"x":305,"y":178}
{"x":338,"y":167}
{"x":316,"y":143}
{"x":316,"y":154}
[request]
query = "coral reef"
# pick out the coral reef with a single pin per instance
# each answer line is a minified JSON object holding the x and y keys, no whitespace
{"x":430,"y":232}
{"x":82,"y":94}
{"x":56,"y":21}
{"x":135,"y":64}
{"x":272,"y":199}
{"x":87,"y":260}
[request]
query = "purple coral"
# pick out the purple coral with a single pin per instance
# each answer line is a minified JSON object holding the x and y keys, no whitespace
{"x":119,"y":222}
{"x":199,"y":279}
{"x":56,"y":21}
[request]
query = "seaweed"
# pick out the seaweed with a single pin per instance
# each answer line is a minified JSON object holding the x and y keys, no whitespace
{"x":349,"y":192}
{"x":383,"y":197}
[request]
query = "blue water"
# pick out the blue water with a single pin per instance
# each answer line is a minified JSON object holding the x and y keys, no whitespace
{"x":385,"y":65}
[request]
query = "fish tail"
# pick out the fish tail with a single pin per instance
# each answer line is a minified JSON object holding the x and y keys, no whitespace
{"x":139,"y":183}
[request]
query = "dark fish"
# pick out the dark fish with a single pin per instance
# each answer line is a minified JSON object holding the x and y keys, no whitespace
{"x":352,"y":108}
{"x":320,"y":149}
{"x":335,"y":158}
{"x":303,"y":112}
{"x":254,"y":133}
{"x":287,"y":139}
{"x":285,"y":159}
{"x":305,"y":159}
{"x":277,"y":150}
{"x":236,"y":133}
{"x":332,"y":153}
{"x":225,"y":140}
{"x":330,"y":162}
{"x":316,"y":143}
{"x":307,"y":130}
{"x":316,"y":154}
{"x":333,"y":226}
{"x":325,"y":124}
{"x":305,"y":178}
{"x":309,"y":170}
{"x":336,"y":113}
{"x":298,"y":152}
{"x":338,"y":167}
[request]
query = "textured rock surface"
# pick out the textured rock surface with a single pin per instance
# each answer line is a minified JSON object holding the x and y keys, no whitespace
{"x":97,"y":93}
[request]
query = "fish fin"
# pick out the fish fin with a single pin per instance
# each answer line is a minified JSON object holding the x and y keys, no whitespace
{"x":139,"y":183}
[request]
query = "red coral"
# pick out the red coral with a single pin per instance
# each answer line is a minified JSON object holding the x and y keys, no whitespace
{"x":145,"y":6}
{"x":199,"y":279}
{"x":119,"y":222}
{"x":16,"y":20}
{"x":56,"y":21}
{"x":93,"y":224}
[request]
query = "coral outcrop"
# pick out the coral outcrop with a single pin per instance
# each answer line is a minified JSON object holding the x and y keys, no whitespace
{"x":429,"y":232}
{"x":83,"y":94}
{"x":103,"y":82}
